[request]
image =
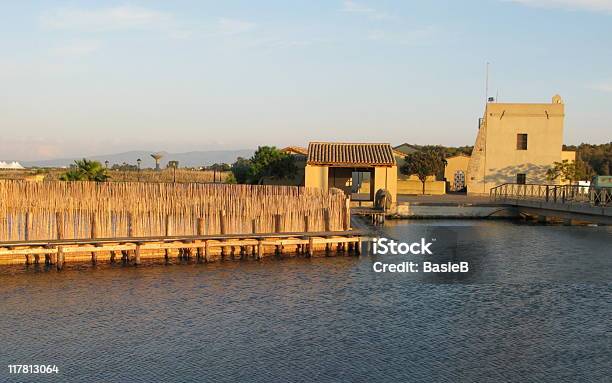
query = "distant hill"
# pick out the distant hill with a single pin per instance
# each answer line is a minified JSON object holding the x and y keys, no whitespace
{"x":189,"y":159}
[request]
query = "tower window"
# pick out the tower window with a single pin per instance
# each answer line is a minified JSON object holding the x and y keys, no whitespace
{"x":521,"y":141}
{"x":521,"y":178}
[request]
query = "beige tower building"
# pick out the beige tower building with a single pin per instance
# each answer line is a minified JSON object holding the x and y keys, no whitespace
{"x":516,"y":143}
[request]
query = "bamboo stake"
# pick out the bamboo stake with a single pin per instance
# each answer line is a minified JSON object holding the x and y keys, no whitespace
{"x":94,"y":235}
{"x":168,"y":233}
{"x":59,"y":221}
{"x":26,"y":235}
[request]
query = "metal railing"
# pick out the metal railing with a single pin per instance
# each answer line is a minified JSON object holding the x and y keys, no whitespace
{"x":564,"y":194}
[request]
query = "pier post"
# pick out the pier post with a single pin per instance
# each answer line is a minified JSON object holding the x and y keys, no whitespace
{"x":137,"y":255}
{"x":223,"y":229}
{"x":125,"y":257}
{"x":347,"y":214}
{"x":49,"y":258}
{"x":310,"y":246}
{"x":358,"y":247}
{"x":60,"y":257}
{"x":260,"y":249}
{"x":59,"y":223}
{"x":26,"y":235}
{"x":206,"y":251}
{"x":254,"y":231}
{"x":327,"y":227}
{"x":168,"y":233}
{"x":200,"y":231}
{"x":94,"y":235}
{"x":303,"y":247}
{"x":278,"y":228}
{"x":187,"y":251}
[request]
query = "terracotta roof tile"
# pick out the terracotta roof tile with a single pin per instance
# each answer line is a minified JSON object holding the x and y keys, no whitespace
{"x":340,"y":153}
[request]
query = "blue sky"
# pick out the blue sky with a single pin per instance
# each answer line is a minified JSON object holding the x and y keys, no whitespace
{"x":84,"y":78}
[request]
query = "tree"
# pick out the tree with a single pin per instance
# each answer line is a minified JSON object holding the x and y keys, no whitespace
{"x":241,"y":170}
{"x":425,"y":162}
{"x":222,"y":167}
{"x":267,"y":163}
{"x":85,"y":170}
{"x":172,"y":164}
{"x":567,"y":171}
{"x":230,"y":179}
{"x":124,"y":167}
{"x":449,"y":151}
{"x":596,"y":159}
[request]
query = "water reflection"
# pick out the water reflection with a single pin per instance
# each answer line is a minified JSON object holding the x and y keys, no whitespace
{"x":531,"y":309}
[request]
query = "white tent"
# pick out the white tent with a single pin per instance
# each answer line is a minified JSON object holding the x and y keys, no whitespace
{"x":10,"y":165}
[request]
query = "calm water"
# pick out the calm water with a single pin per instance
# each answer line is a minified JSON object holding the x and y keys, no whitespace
{"x":536,"y":306}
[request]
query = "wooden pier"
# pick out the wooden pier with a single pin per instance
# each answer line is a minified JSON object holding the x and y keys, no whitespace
{"x":204,"y":248}
{"x":377,"y":216}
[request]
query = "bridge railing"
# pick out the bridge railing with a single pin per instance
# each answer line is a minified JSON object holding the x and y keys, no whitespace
{"x":564,"y":194}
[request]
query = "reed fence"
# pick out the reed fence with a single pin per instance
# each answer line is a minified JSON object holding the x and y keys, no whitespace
{"x":80,"y":210}
{"x":145,"y":175}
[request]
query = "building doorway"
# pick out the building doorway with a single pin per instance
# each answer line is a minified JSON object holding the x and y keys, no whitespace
{"x":459,"y":181}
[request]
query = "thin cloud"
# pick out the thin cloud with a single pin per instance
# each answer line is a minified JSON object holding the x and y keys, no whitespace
{"x":103,"y":19}
{"x":138,"y":18}
{"x":602,"y":87}
{"x":350,"y":6}
{"x":279,"y":42}
{"x":585,"y":5}
{"x":415,"y":37}
{"x":230,"y":27}
{"x":77,"y":48}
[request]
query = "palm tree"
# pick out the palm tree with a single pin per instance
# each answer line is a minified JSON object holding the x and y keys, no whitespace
{"x":85,"y":170}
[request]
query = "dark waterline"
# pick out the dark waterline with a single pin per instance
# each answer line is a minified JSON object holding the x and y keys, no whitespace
{"x":534,"y":307}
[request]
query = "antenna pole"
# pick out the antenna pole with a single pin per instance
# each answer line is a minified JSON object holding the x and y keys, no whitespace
{"x":487,"y":83}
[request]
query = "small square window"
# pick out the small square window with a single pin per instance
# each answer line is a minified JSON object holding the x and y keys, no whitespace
{"x":521,"y":178}
{"x":521,"y":141}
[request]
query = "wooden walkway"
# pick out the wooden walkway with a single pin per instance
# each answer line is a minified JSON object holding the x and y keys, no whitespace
{"x":206,"y":248}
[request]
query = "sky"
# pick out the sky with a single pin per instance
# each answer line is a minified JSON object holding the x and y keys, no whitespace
{"x":81,"y":78}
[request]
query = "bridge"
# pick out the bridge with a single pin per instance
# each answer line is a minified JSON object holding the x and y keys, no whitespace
{"x":567,"y":202}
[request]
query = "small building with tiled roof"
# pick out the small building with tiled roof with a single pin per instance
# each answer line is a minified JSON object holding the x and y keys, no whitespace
{"x":334,"y":164}
{"x":295,"y":150}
